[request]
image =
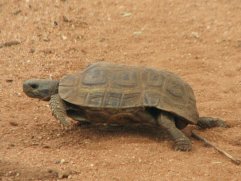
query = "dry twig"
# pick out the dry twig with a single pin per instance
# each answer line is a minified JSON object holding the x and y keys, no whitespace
{"x":233,"y":159}
{"x":9,"y":43}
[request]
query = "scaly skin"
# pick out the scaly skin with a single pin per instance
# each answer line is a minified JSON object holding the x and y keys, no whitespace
{"x":182,"y":143}
{"x":58,"y":109}
{"x":209,"y":122}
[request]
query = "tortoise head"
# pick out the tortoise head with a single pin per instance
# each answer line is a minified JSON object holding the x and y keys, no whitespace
{"x":40,"y":88}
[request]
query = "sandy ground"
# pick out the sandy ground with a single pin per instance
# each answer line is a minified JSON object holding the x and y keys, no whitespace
{"x":198,"y":40}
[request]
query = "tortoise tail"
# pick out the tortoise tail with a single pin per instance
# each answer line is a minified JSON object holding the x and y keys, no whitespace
{"x":209,"y":122}
{"x":58,"y":109}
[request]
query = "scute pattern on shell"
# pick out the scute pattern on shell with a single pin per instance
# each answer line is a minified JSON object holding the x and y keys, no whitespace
{"x":105,"y":85}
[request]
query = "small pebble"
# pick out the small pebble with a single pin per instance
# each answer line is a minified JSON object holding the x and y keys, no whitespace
{"x":47,"y":51}
{"x":17,"y":12}
{"x":32,"y":50}
{"x":46,"y":38}
{"x":217,"y":162}
{"x":50,"y":170}
{"x":195,"y":35}
{"x":60,"y":174}
{"x":64,"y":174}
{"x":137,"y":33}
{"x":46,"y":146}
{"x":126,"y":14}
{"x":13,"y":123}
{"x":62,"y":161}
{"x":65,"y":19}
{"x":9,"y":80}
{"x":12,"y":173}
{"x":64,"y":37}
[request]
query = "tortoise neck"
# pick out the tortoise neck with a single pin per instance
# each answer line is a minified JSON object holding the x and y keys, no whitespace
{"x":55,"y":87}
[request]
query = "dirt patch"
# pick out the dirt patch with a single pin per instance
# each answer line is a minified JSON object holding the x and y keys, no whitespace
{"x":198,"y":40}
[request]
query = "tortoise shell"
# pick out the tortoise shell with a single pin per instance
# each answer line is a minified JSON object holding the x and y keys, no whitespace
{"x":105,"y":85}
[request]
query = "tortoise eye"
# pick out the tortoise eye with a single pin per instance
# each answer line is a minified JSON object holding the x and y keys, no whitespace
{"x":34,"y":86}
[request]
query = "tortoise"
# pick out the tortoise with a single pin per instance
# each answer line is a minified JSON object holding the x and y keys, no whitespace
{"x":113,"y":93}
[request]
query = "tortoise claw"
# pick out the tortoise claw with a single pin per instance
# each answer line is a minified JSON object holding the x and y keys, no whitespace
{"x":66,"y":125}
{"x":183,"y":145}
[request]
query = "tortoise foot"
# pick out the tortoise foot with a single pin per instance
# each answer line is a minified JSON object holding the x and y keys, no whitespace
{"x":209,"y":122}
{"x":183,"y":145}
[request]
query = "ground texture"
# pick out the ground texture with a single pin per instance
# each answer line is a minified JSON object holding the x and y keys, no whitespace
{"x":198,"y":40}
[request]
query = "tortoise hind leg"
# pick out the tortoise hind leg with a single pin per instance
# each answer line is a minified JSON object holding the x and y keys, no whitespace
{"x":209,"y":122}
{"x":182,"y":143}
{"x":57,"y":106}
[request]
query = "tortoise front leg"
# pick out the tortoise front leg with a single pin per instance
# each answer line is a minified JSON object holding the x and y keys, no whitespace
{"x":182,"y":143}
{"x":57,"y":106}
